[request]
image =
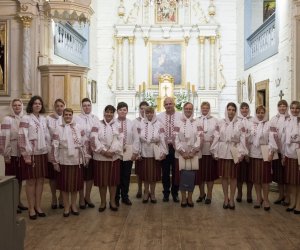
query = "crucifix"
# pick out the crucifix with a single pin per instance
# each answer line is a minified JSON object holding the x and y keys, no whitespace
{"x":281,"y":94}
{"x":166,"y":88}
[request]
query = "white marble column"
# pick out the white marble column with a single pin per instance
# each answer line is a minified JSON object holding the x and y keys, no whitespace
{"x":120,"y":84}
{"x":201,"y":63}
{"x":213,"y":66}
{"x":131,"y":84}
{"x":27,"y":88}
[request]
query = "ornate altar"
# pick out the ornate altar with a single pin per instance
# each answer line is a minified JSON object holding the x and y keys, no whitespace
{"x":165,"y":89}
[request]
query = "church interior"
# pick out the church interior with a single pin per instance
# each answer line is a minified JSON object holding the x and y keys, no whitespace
{"x":217,"y":51}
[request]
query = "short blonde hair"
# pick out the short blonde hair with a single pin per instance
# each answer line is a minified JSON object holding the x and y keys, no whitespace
{"x":205,"y":104}
{"x":149,"y":109}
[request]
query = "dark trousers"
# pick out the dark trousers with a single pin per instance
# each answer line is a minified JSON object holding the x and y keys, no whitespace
{"x":167,"y":165}
{"x":125,"y":172}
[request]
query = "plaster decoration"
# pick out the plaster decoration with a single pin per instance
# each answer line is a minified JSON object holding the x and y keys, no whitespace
{"x":166,"y":31}
{"x":198,"y":12}
{"x":121,"y":12}
{"x":201,"y":63}
{"x":119,"y":63}
{"x":69,"y":11}
{"x":212,"y":70}
{"x":186,"y":33}
{"x":146,"y":33}
{"x":134,"y":13}
{"x":221,"y":79}
{"x":112,"y":69}
{"x":131,"y":64}
{"x":27,"y":91}
{"x":212,"y":11}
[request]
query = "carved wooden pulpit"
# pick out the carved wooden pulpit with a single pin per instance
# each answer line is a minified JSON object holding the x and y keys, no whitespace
{"x":165,"y":89}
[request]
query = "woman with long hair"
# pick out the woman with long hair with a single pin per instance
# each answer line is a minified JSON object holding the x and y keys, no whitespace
{"x":34,"y":141}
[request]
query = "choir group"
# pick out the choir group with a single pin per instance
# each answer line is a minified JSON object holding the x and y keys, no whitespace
{"x":77,"y":152}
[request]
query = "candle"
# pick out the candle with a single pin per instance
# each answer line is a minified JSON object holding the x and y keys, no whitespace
{"x":188,"y":86}
{"x":193,"y":88}
{"x":140,"y":88}
{"x":144,"y":86}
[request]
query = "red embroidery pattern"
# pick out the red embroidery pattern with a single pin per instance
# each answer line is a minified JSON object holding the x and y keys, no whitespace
{"x":5,"y":126}
{"x":161,"y":130}
{"x":55,"y":137}
{"x":176,"y":129}
{"x":24,"y":125}
{"x":273,"y":129}
{"x":95,"y":129}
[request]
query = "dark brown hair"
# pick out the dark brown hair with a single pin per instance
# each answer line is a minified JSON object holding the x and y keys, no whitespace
{"x":29,"y":109}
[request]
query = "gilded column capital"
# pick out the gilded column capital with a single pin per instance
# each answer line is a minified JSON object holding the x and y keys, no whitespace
{"x":212,"y":39}
{"x":26,"y":21}
{"x":119,"y":40}
{"x":131,"y":39}
{"x":201,"y":39}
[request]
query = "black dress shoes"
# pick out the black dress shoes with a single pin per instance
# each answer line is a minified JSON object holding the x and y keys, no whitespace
{"x":22,"y":208}
{"x":40,"y":214}
{"x":54,"y":206}
{"x":190,"y":204}
{"x":296,"y":212}
{"x":114,"y":209}
{"x":290,"y":209}
{"x":66,"y":214}
{"x":207,"y":201}
{"x":127,"y":202}
{"x":249,"y":200}
{"x":89,"y":204}
{"x":117,"y":201}
{"x":166,"y":199}
{"x":238,"y":199}
{"x":102,"y":209}
{"x":138,"y":195}
{"x":33,"y":217}
{"x":200,"y":199}
{"x":175,"y":199}
{"x":267,"y":208}
{"x":74,"y":212}
{"x":82,"y":206}
{"x":225,"y":206}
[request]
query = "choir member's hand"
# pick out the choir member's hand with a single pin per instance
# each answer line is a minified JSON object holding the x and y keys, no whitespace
{"x":27,"y":159}
{"x":134,"y":157}
{"x":241,"y":158}
{"x":56,"y":167}
{"x":270,"y":157}
{"x":163,"y":156}
{"x":109,"y":154}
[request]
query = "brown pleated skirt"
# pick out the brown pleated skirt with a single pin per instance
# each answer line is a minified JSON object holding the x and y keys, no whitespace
{"x":88,"y":172}
{"x":52,"y":173}
{"x":208,"y":170}
{"x":14,"y":168}
{"x":70,"y":178}
{"x":291,"y":171}
{"x":38,"y":170}
{"x":106,"y":173}
{"x":137,"y":167}
{"x":260,"y":172}
{"x":243,"y":174}
{"x":227,"y":168}
{"x":278,"y":171}
{"x":150,"y":170}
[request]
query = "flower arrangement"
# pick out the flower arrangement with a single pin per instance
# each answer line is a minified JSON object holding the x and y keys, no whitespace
{"x":150,"y":99}
{"x":181,"y":99}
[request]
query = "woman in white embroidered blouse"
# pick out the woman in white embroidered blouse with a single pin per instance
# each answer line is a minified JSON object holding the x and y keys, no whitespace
{"x":107,"y":145}
{"x":291,"y":149}
{"x":229,"y":143}
{"x":245,"y":118}
{"x":260,"y":171}
{"x":53,"y":121}
{"x":9,"y":144}
{"x":208,"y":167}
{"x":153,"y":150}
{"x":34,"y":141}
{"x":87,"y":120}
{"x":277,"y":124}
{"x":69,"y":155}
{"x":187,"y":146}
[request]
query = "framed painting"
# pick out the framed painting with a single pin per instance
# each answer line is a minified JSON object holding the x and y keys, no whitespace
{"x":166,"y":12}
{"x":4,"y":58}
{"x":269,"y":8}
{"x":167,"y":58}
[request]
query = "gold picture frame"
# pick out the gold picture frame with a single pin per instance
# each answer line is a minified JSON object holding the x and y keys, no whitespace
{"x":4,"y":61}
{"x":93,"y":91}
{"x":166,"y":12}
{"x":167,"y":57}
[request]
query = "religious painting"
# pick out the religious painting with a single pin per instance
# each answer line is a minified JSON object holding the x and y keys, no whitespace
{"x":249,"y":87}
{"x":166,"y":58}
{"x":3,"y":58}
{"x":262,"y":94}
{"x":269,"y":8}
{"x":166,"y":12}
